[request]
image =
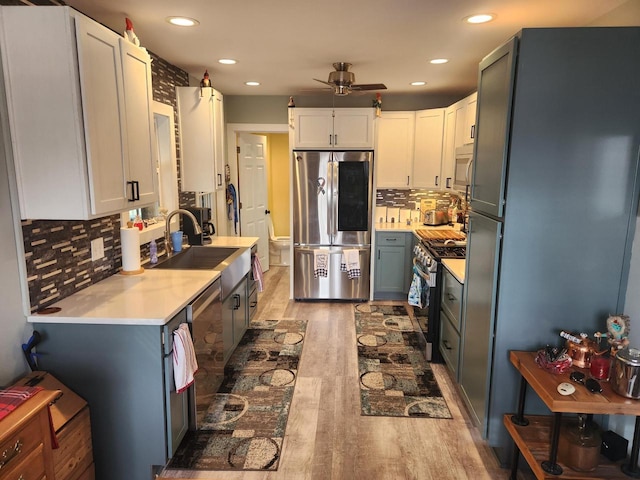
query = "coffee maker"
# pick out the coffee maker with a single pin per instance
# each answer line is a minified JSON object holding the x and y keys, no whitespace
{"x":203,"y":215}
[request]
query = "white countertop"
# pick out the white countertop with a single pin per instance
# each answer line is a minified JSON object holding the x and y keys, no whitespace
{"x":150,"y":298}
{"x":456,"y":267}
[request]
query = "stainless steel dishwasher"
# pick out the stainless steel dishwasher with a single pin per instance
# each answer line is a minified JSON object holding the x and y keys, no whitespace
{"x":205,"y":316}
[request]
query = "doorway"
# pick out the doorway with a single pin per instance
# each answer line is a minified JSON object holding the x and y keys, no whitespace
{"x":277,"y":177}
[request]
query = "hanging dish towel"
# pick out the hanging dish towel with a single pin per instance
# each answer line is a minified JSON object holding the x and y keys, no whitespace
{"x":184,"y":358}
{"x":350,"y":263}
{"x":415,"y":291}
{"x":320,"y":263}
{"x":232,"y":206}
{"x":257,"y":272}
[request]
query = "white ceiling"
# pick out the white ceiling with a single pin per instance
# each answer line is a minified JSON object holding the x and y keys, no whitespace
{"x":284,"y":44}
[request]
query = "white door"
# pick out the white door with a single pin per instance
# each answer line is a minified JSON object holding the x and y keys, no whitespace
{"x":252,"y":197}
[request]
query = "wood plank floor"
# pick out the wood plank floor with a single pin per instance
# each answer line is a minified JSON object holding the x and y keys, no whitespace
{"x":328,"y":439}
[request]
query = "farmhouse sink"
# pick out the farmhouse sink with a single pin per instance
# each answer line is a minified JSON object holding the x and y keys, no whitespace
{"x":198,"y":258}
{"x":232,"y":263}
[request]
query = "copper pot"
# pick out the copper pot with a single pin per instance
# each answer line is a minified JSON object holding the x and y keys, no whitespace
{"x":581,"y":353}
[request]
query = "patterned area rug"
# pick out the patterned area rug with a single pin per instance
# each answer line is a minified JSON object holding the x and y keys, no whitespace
{"x":245,"y":424}
{"x":395,"y":378}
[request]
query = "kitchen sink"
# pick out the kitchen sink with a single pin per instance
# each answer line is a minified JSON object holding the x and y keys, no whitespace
{"x":232,"y":263}
{"x":198,"y":258}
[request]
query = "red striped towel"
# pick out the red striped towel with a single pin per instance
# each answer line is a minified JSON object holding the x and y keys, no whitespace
{"x":185,"y":364}
{"x":13,"y":397}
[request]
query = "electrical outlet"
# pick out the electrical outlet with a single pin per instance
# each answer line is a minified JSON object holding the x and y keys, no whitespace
{"x":97,"y":249}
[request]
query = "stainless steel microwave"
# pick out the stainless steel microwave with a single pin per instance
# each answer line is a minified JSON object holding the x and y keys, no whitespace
{"x":463,"y":168}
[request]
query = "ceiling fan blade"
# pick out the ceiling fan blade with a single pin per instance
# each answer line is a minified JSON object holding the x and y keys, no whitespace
{"x":322,"y":81}
{"x":369,"y":86}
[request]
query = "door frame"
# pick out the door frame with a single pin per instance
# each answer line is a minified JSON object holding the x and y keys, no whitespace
{"x":232,"y":130}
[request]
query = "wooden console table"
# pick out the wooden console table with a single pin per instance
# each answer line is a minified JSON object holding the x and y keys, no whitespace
{"x":536,"y":437}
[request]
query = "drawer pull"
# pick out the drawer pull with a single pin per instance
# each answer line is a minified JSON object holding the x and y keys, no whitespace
{"x":10,"y":453}
{"x":446,"y":344}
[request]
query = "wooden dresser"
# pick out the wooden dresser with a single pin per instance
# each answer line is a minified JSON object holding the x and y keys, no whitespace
{"x":73,"y":460}
{"x":25,"y":440}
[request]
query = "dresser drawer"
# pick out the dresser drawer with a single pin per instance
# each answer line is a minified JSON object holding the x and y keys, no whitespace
{"x":452,"y":298}
{"x":17,"y":447}
{"x":31,"y":466}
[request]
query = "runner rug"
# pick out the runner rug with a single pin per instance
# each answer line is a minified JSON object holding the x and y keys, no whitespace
{"x":245,"y":424}
{"x":395,"y":378}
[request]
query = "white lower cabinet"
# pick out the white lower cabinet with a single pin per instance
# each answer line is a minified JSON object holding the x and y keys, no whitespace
{"x":80,"y":113}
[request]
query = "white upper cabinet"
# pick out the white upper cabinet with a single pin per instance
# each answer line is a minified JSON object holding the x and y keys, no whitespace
{"x":471,"y":103}
{"x":394,"y":149}
{"x":79,"y":107}
{"x":201,"y":123}
{"x":427,"y":159}
{"x":409,"y":149}
{"x":327,"y":128}
{"x":454,"y":119}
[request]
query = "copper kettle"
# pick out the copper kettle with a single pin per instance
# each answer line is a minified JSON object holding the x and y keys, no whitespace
{"x":580,"y":350}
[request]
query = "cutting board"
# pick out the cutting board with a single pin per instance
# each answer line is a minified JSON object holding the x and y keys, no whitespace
{"x":440,"y":234}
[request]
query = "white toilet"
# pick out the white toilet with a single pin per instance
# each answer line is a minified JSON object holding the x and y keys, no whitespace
{"x":278,"y":247}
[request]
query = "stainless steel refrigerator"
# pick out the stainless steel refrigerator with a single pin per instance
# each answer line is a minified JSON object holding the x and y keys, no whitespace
{"x":332,"y":198}
{"x":554,"y":201}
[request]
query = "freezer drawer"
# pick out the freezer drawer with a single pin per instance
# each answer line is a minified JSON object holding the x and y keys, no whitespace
{"x":336,"y":285}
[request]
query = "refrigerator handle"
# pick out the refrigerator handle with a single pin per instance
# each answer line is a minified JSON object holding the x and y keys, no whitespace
{"x":330,"y":188}
{"x":334,"y":208}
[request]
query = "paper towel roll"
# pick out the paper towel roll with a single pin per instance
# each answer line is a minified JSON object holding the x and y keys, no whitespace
{"x":130,"y":241}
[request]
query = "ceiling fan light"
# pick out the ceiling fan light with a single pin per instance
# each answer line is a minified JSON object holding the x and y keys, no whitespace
{"x":227,"y":61}
{"x":439,"y":61}
{"x":418,"y":84}
{"x":183,"y":21}
{"x":252,"y":84}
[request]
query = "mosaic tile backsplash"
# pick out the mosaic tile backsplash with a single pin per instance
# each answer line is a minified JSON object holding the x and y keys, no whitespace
{"x":411,"y":198}
{"x":58,"y":253}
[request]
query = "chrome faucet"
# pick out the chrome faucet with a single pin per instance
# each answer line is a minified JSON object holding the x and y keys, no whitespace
{"x":167,"y":233}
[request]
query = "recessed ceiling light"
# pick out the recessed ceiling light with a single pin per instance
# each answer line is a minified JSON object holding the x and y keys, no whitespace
{"x":418,"y":84}
{"x":227,"y":61}
{"x":437,"y":61}
{"x":252,"y":84}
{"x":183,"y":21}
{"x":480,"y":18}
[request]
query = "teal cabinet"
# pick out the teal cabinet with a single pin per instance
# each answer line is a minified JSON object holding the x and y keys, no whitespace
{"x":392,"y":265}
{"x":235,"y":318}
{"x":125,"y":373}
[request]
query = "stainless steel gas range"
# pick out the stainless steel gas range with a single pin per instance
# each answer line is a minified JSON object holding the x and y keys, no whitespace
{"x":427,"y":259}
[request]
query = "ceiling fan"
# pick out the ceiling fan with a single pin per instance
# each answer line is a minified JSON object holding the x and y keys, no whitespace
{"x":341,"y":80}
